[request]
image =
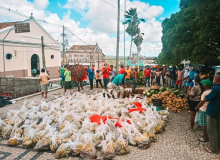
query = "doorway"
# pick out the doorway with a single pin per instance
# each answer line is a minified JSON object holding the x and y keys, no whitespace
{"x":35,"y":63}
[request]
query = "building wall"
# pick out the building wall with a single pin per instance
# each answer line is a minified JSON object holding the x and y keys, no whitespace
{"x":21,"y":61}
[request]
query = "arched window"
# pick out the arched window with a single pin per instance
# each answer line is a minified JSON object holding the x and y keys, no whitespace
{"x":52,"y":56}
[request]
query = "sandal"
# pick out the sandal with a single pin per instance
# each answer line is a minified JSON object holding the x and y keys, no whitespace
{"x":208,"y":150}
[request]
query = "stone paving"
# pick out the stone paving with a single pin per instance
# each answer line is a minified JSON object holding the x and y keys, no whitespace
{"x":176,"y":143}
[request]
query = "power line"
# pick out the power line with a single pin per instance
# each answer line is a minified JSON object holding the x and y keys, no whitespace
{"x":144,"y":10}
{"x":76,"y":36}
{"x":125,"y":12}
{"x":25,"y":16}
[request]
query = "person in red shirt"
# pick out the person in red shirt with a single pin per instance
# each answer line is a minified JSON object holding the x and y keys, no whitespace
{"x":105,"y":72}
{"x":147,"y":73}
{"x":122,"y":71}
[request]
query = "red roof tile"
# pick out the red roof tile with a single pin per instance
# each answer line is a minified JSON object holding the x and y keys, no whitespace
{"x":6,"y":24}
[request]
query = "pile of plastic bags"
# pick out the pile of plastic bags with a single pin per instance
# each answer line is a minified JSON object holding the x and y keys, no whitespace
{"x":82,"y":125}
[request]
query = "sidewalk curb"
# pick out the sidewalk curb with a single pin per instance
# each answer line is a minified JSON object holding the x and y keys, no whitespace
{"x":28,"y":96}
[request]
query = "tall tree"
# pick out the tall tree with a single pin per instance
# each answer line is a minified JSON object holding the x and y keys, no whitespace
{"x":133,"y":22}
{"x":192,"y":33}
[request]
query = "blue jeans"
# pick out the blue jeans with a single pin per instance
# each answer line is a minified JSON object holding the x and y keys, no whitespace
{"x":173,"y":82}
{"x":105,"y":80}
{"x":147,"y":79}
{"x":135,"y":83}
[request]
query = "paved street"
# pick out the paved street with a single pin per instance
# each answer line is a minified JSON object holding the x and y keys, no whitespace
{"x":176,"y":143}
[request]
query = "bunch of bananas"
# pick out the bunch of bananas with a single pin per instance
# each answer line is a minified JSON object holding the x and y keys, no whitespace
{"x":170,"y":101}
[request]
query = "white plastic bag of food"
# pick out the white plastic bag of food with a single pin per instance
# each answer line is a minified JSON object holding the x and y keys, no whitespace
{"x":122,"y":147}
{"x":88,"y":149}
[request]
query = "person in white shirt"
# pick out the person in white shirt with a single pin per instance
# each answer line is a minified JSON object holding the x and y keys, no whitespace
{"x":186,"y":79}
{"x":113,"y":72}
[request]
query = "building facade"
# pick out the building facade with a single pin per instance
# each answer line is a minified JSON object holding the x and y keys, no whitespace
{"x":23,"y":51}
{"x":87,"y":55}
{"x":141,"y":62}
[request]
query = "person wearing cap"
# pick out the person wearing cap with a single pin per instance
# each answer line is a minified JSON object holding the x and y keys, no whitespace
{"x":117,"y":86}
{"x":147,"y":73}
{"x":213,"y":116}
{"x":91,"y":77}
{"x":194,"y":97}
{"x":128,"y":77}
{"x":135,"y":74}
{"x":201,"y":108}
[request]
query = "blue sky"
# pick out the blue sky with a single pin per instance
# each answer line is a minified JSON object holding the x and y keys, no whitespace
{"x":55,"y":6}
{"x":95,"y":21}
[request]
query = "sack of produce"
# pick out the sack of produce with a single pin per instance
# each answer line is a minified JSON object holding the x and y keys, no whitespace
{"x":2,"y":125}
{"x":141,"y":140}
{"x":76,"y":147}
{"x":28,"y":139}
{"x":122,"y":147}
{"x":88,"y":148}
{"x":64,"y":150}
{"x":97,"y":138}
{"x":109,"y":149}
{"x":6,"y":131}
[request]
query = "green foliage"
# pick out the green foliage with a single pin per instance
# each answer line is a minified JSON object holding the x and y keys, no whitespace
{"x":141,"y":79}
{"x":192,"y":33}
{"x":133,"y":29}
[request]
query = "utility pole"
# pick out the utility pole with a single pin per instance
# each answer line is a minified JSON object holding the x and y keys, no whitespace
{"x":63,"y":45}
{"x":43,"y":55}
{"x":118,"y":29}
{"x":124,"y":34}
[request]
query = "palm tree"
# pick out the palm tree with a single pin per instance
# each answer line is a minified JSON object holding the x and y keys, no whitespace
{"x":133,"y":22}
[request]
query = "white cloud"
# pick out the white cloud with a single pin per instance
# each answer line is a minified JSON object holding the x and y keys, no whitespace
{"x":41,"y":4}
{"x":103,"y":19}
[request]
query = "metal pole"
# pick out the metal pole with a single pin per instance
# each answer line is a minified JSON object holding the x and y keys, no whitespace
{"x":118,"y":38}
{"x":124,"y":33}
{"x":98,"y":61}
{"x":4,"y":50}
{"x":43,"y":55}
{"x":63,"y":46}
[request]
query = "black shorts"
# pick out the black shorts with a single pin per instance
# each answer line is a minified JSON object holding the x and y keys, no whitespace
{"x":192,"y":105}
{"x":68,"y":85}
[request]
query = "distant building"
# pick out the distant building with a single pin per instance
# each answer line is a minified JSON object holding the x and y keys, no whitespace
{"x":143,"y":61}
{"x":23,"y":51}
{"x":88,"y":55}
